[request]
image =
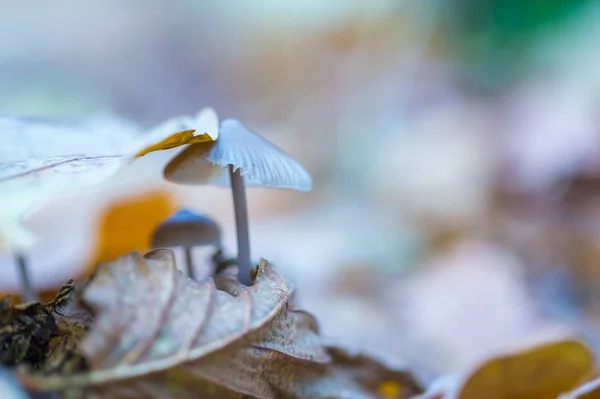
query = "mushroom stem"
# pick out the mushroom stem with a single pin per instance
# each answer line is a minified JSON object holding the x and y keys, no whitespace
{"x":189,"y":263}
{"x":241,"y":222}
{"x":27,"y":290}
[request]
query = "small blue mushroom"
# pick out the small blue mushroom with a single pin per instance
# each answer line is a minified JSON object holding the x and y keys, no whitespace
{"x":187,"y":229}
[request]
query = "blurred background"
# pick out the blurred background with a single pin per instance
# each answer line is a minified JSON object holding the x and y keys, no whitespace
{"x":454,"y":146}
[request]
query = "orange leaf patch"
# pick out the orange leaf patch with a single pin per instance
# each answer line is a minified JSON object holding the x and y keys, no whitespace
{"x":176,"y":140}
{"x":128,"y":224}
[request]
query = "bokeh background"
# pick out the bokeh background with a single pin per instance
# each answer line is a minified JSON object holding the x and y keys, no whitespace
{"x":454,"y":146}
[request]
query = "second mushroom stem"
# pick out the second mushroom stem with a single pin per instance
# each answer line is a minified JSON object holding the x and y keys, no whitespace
{"x":241,"y":222}
{"x":27,"y":289}
{"x":189,"y":262}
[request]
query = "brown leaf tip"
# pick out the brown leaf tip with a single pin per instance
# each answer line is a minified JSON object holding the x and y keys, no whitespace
{"x":161,"y":254}
{"x":264,"y":268}
{"x":64,"y":296}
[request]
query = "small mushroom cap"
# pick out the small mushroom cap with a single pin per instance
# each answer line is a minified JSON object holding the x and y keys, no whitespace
{"x":186,"y":229}
{"x":261,"y":162}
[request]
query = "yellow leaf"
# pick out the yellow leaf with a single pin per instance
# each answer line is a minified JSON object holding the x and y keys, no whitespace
{"x":128,"y":224}
{"x":176,"y":140}
{"x":390,"y":389}
{"x":543,"y":372}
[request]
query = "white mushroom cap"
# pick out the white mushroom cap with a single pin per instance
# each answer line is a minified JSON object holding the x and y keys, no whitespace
{"x":261,"y":162}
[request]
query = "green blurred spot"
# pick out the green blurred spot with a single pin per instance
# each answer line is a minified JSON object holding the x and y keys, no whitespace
{"x":491,"y":40}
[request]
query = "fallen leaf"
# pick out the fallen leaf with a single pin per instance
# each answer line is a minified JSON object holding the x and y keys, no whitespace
{"x":44,"y":337}
{"x":543,"y":372}
{"x":375,"y":376}
{"x":205,"y":122}
{"x":43,"y":160}
{"x":160,"y":334}
{"x":176,"y":140}
{"x":26,"y":184}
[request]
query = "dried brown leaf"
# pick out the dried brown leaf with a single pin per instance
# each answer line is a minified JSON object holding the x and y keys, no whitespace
{"x":44,"y":337}
{"x":160,"y":334}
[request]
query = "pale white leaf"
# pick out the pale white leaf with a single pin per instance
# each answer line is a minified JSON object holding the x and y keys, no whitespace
{"x":25,"y":138}
{"x":41,"y":160}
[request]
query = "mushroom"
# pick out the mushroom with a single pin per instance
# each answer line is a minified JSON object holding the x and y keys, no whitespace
{"x":250,"y":160}
{"x":187,"y":229}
